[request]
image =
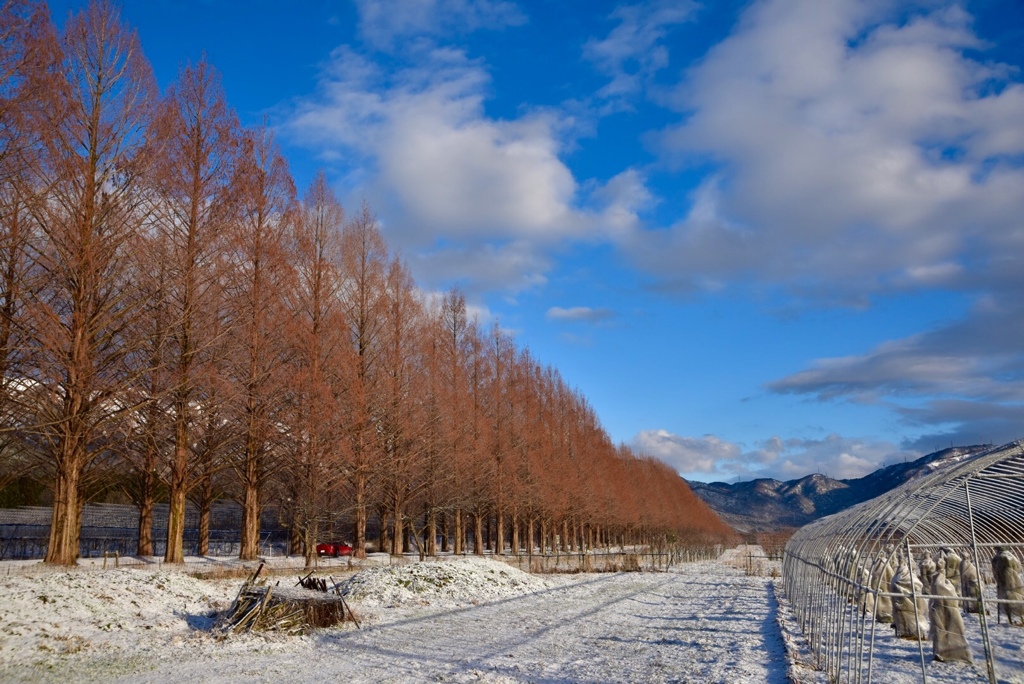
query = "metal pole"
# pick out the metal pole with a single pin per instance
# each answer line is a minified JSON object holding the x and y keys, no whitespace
{"x":989,"y":656}
{"x":917,"y":617}
{"x":874,"y":621}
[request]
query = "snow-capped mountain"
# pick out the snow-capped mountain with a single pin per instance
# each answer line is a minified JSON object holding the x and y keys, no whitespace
{"x":766,"y":505}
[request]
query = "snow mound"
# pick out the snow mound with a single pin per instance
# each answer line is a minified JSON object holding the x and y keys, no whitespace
{"x":461,"y":581}
{"x":64,"y":612}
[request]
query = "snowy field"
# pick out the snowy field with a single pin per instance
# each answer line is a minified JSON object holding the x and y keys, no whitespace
{"x":463,"y":620}
{"x":458,"y":620}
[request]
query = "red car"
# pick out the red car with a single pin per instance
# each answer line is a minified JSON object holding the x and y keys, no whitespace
{"x":333,"y":549}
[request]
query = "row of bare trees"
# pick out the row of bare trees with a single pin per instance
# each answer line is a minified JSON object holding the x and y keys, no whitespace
{"x":175,"y":319}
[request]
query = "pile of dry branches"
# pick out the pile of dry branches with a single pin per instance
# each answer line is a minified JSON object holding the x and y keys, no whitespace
{"x":286,"y":610}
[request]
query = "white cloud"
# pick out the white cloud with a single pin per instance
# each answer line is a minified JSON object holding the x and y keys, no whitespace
{"x":835,"y":456}
{"x":512,"y":266}
{"x":453,"y":183}
{"x":856,"y":154}
{"x":863,"y":149}
{"x":962,"y":382}
{"x":707,"y":455}
{"x":620,"y":201}
{"x":712,"y":458}
{"x":634,"y":50}
{"x":578,"y":313}
{"x":383,"y":22}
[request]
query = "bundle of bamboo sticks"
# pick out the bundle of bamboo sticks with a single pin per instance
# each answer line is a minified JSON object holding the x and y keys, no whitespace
{"x":285,"y":610}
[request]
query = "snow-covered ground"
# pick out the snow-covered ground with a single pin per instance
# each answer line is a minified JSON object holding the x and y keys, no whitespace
{"x":456,"y":620}
{"x":460,"y":620}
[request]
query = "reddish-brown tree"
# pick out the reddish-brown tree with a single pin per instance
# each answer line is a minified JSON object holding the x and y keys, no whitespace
{"x":258,"y":283}
{"x":364,"y":309}
{"x":91,"y":166}
{"x":456,"y":351}
{"x":144,"y":434}
{"x":27,"y":47}
{"x":401,"y":420}
{"x":445,"y":434}
{"x":194,"y":199}
{"x":322,"y":360}
{"x":501,"y":397}
{"x":27,"y":51}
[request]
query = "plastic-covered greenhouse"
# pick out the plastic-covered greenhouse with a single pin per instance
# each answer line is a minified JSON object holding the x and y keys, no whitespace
{"x":883,"y":591}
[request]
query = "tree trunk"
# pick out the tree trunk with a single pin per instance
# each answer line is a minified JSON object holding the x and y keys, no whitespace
{"x":175,"y":551}
{"x":145,"y":545}
{"x":250,"y":543}
{"x":297,"y":537}
{"x":515,"y":533}
{"x":499,"y":546}
{"x":478,"y":534}
{"x":309,"y":543}
{"x":459,"y":534}
{"x":65,"y":524}
{"x":444,"y":533}
{"x":384,"y":538}
{"x":359,"y":524}
{"x":398,"y":527}
{"x":205,"y":506}
{"x":432,"y":533}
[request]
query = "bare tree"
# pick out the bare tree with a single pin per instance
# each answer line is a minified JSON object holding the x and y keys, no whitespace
{"x":456,"y":351}
{"x":444,"y":347}
{"x":92,"y":160}
{"x":362,"y":295}
{"x":144,"y":434}
{"x":27,"y":47}
{"x":322,"y":361}
{"x":401,"y":418}
{"x":27,"y":51}
{"x":501,"y":359}
{"x":259,"y":282}
{"x":194,"y":186}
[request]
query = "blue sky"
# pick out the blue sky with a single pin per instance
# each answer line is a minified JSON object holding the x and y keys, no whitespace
{"x":764,"y":238}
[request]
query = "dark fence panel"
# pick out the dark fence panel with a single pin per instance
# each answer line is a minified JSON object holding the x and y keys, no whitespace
{"x":113,"y":529}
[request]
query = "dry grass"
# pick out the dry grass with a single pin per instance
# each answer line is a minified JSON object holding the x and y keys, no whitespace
{"x":234,"y":572}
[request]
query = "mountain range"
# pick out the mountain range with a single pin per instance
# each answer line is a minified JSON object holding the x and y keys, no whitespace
{"x":767,"y":505}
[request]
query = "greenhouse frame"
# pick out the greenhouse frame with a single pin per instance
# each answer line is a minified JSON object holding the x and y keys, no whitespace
{"x":842,"y":571}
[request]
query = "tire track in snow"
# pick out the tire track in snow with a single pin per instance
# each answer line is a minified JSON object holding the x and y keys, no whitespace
{"x":499,"y":637}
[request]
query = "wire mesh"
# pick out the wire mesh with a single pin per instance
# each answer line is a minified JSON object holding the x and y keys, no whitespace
{"x":839,"y":577}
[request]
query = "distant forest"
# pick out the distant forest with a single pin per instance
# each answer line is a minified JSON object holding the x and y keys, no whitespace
{"x":178,"y":324}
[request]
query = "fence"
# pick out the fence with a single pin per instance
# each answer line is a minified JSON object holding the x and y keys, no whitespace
{"x":111,"y":528}
{"x":612,"y":560}
{"x":753,"y":561}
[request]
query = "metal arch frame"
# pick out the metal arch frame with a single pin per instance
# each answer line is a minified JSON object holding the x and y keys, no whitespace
{"x":977,"y":503}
